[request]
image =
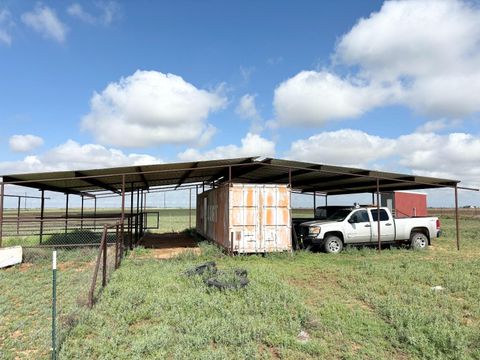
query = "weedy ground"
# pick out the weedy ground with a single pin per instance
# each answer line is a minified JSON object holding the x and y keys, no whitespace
{"x":360,"y":304}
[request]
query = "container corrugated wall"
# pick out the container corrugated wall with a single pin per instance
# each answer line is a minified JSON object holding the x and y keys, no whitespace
{"x":246,"y":218}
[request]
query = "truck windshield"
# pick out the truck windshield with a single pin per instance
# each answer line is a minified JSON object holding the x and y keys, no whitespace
{"x":339,"y":215}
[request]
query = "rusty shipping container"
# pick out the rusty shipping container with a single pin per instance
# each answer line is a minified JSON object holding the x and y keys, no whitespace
{"x":246,"y":218}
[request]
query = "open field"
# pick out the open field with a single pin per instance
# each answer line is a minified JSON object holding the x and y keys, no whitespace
{"x":360,"y":304}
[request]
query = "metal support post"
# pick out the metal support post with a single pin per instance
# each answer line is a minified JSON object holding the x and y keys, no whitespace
{"x":42,"y":210}
{"x":95,"y":213}
{"x":104,"y":258}
{"x":66,"y":213}
{"x":19,"y":204}
{"x":289,"y":178}
{"x":130,"y":220}
{"x":81,"y":213}
{"x":123,"y":215}
{"x":378,"y":215}
{"x":314,"y":202}
{"x":190,"y":209}
{"x":2,"y":192}
{"x":457,"y":227}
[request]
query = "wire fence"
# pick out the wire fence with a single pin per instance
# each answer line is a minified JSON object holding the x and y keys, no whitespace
{"x":26,"y":297}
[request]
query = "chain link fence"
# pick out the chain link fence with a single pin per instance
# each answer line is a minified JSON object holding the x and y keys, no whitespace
{"x":26,"y":299}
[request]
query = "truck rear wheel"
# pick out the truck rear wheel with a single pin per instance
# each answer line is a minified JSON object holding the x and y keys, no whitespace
{"x":418,"y":241}
{"x":333,"y":244}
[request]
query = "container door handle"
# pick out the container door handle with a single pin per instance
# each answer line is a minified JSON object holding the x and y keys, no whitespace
{"x":368,"y":225}
{"x":388,"y":224}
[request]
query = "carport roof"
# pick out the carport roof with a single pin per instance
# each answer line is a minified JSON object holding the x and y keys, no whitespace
{"x":304,"y":176}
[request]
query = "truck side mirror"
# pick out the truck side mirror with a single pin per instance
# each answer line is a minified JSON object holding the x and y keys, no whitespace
{"x":351,"y":221}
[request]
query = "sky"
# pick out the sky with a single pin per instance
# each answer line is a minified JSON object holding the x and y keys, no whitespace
{"x":388,"y":85}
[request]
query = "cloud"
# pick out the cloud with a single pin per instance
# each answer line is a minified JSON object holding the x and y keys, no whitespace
{"x":247,"y":109}
{"x":109,"y":12}
{"x":343,"y":147}
{"x":314,"y":97}
{"x":252,"y":145}
{"x":6,"y":24}
{"x":422,"y":54}
{"x":436,"y":125}
{"x":451,"y":156}
{"x":74,"y":156}
{"x":44,"y":21}
{"x":24,"y":143}
{"x":152,"y":108}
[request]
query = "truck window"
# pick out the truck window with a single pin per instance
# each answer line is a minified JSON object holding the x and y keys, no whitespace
{"x":383,"y":215}
{"x":360,"y":216}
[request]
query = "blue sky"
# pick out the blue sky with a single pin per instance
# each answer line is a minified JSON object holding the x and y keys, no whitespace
{"x":389,"y":85}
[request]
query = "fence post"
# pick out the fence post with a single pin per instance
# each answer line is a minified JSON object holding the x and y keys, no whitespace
{"x":117,"y":252}
{"x":104,"y":250}
{"x":54,"y":304}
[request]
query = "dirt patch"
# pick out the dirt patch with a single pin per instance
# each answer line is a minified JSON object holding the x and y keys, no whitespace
{"x":166,"y":246}
{"x":73,"y":265}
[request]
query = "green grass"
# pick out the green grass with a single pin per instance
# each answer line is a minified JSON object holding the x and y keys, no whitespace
{"x":360,"y":304}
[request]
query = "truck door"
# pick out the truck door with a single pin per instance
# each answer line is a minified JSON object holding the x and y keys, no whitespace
{"x":387,"y":227}
{"x":359,"y":228}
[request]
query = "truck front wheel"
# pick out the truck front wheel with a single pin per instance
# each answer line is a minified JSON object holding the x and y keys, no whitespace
{"x":418,"y":241}
{"x":333,"y":244}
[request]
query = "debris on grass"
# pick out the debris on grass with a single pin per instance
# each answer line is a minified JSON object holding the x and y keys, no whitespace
{"x":220,"y":279}
{"x":303,"y":336}
{"x":437,"y":288}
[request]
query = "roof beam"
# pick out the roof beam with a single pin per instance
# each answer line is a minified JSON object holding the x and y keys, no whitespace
{"x":284,"y":176}
{"x":391,"y":184}
{"x":186,"y":175}
{"x":40,"y":186}
{"x":96,"y":182}
{"x":334,"y":180}
{"x":142,"y":175}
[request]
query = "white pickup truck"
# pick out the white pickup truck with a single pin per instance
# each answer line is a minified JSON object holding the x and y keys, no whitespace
{"x":358,"y":225}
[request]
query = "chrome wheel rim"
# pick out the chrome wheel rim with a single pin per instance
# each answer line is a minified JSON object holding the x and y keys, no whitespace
{"x":334,"y":246}
{"x":420,"y":242}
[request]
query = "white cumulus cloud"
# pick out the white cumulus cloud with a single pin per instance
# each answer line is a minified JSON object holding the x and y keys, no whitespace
{"x":24,"y":143}
{"x":45,"y":21}
{"x":74,"y":156}
{"x":343,"y":147}
{"x":422,"y":54}
{"x":451,"y":156}
{"x":152,"y":108}
{"x":314,"y":97}
{"x":252,"y":145}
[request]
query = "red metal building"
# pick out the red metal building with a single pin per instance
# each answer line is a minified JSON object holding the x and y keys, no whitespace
{"x":406,"y":203}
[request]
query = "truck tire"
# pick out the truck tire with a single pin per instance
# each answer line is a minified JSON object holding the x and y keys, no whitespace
{"x":333,"y":244}
{"x":418,"y":241}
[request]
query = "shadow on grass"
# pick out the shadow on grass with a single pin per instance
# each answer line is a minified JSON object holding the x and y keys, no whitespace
{"x":78,"y":237}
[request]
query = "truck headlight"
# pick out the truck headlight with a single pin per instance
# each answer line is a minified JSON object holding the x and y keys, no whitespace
{"x":314,"y":230}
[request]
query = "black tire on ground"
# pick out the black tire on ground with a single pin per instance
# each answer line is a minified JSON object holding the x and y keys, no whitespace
{"x":418,"y":241}
{"x":333,"y":244}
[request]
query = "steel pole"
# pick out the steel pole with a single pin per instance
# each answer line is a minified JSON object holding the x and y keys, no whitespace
{"x":2,"y":191}
{"x":378,"y":215}
{"x":314,"y":202}
{"x":95,"y":214}
{"x":42,"y":209}
{"x":457,"y":226}
{"x":190,"y":210}
{"x":123,"y":213}
{"x":81,"y":213}
{"x":66,"y":213}
{"x":19,"y":204}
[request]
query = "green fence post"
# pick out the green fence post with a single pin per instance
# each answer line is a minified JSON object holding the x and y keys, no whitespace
{"x":54,"y":304}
